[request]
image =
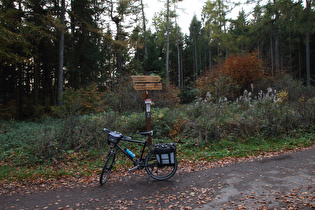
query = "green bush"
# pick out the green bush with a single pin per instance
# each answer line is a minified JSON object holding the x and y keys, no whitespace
{"x":210,"y":121}
{"x":188,"y":95}
{"x":121,"y":98}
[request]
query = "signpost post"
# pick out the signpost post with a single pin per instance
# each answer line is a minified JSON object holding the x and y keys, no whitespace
{"x":147,"y":83}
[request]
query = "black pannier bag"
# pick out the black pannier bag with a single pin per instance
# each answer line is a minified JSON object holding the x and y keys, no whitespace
{"x":114,"y":137}
{"x":165,"y":154}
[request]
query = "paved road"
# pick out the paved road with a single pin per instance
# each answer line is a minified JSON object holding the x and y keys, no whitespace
{"x":280,"y":182}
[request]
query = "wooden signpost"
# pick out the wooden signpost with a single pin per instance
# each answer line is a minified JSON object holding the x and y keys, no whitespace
{"x":148,"y":86}
{"x":146,"y":78}
{"x":147,"y":83}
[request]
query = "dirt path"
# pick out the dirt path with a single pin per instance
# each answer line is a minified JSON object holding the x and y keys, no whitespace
{"x":278,"y":182}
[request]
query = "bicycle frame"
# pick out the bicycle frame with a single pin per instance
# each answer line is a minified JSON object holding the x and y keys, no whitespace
{"x":145,"y":144}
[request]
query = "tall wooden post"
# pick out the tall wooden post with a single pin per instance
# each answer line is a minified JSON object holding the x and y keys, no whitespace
{"x":148,"y":116}
{"x":147,"y":83}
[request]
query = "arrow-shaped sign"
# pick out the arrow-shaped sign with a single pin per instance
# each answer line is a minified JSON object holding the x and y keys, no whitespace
{"x":146,"y":78}
{"x":148,"y":86}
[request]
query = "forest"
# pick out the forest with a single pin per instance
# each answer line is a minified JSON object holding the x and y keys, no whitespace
{"x":232,"y":88}
{"x":50,"y":47}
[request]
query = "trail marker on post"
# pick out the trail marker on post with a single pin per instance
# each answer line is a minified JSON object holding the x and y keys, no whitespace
{"x":147,"y":83}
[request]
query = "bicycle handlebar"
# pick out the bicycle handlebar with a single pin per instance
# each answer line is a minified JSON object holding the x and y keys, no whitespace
{"x":106,"y":130}
{"x":127,"y":137}
{"x":124,"y":138}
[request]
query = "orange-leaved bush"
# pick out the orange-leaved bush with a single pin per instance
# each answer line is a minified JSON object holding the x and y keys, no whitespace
{"x":231,"y":77}
{"x":243,"y":69}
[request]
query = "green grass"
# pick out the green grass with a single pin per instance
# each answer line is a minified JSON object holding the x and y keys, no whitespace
{"x":193,"y":150}
{"x":86,"y":163}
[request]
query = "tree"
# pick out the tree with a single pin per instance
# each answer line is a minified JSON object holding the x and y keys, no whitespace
{"x":179,"y":61}
{"x":160,"y":25}
{"x":168,"y":35}
{"x":214,"y":15}
{"x":307,"y":43}
{"x":239,"y":29}
{"x":167,"y":39}
{"x":61,"y":52}
{"x":144,"y":32}
{"x":83,"y":49}
{"x":195,"y":30}
{"x":119,"y":11}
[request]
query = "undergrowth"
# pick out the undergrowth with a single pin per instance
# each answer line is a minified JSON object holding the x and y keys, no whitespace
{"x":75,"y":145}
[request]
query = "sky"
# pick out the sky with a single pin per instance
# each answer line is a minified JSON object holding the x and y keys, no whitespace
{"x":187,"y":9}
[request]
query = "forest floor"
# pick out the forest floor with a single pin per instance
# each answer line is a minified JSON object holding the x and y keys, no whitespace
{"x":282,"y":180}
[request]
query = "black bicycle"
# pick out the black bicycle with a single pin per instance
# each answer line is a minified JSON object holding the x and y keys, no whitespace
{"x":160,"y":163}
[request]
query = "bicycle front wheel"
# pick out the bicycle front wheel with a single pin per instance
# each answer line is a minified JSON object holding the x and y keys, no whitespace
{"x":157,"y":171}
{"x":107,"y":168}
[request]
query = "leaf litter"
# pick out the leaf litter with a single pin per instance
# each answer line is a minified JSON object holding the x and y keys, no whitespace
{"x":181,"y":200}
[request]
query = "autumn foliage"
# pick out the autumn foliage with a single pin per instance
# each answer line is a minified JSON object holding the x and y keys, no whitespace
{"x":228,"y":79}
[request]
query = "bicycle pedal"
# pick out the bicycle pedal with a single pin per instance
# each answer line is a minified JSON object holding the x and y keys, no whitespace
{"x":136,"y":167}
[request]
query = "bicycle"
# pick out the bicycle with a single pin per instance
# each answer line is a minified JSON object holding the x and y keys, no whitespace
{"x":154,"y":164}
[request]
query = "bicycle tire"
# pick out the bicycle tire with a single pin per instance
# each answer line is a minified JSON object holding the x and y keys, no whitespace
{"x":157,"y":171}
{"x":110,"y":160}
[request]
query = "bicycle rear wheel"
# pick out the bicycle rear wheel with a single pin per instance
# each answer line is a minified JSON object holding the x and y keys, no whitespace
{"x":157,"y":171}
{"x":107,"y":167}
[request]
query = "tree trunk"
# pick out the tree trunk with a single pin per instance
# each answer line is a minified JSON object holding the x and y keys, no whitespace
{"x":308,"y":65}
{"x":195,"y":59}
{"x":271,"y":56}
{"x":61,"y":54}
{"x":210,"y":59}
{"x":36,"y":81}
{"x":300,"y":63}
{"x":167,"y":40}
{"x":179,"y":64}
{"x":144,"y":33}
{"x":277,"y":51}
{"x":307,"y":43}
{"x":178,"y":56}
{"x":20,"y":93}
{"x":118,"y":56}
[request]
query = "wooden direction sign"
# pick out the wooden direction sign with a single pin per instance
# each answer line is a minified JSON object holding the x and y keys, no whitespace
{"x":147,"y":83}
{"x":148,"y":86}
{"x":146,"y":78}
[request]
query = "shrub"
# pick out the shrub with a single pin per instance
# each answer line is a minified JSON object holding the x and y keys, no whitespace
{"x":228,"y":79}
{"x":269,"y":114}
{"x":83,"y":101}
{"x":122,"y":98}
{"x":188,"y":95}
{"x":167,"y":98}
{"x":244,"y":70}
{"x":8,"y":111}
